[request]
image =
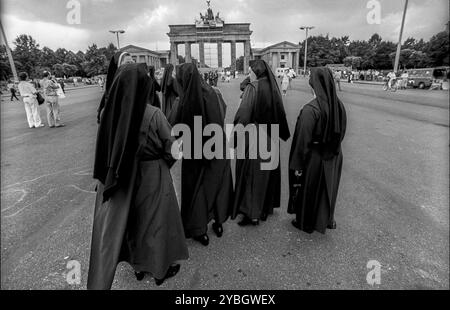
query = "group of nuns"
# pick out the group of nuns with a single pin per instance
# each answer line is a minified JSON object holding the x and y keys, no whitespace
{"x":137,"y":218}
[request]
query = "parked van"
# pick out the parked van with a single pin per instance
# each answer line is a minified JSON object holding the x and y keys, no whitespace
{"x":423,"y":78}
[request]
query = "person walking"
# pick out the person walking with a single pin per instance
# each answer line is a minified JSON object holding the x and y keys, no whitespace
{"x":285,"y":83}
{"x":136,"y":217}
{"x":315,"y":160}
{"x":28,"y":93}
{"x":206,"y":183}
{"x":13,"y":91}
{"x":169,"y":90}
{"x":258,"y":191}
{"x":337,"y":79}
{"x":61,"y":83}
{"x":50,"y":88}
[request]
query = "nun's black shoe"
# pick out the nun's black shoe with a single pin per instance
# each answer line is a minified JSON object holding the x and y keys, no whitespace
{"x":218,"y":229}
{"x":264,"y":216}
{"x":247,"y":221}
{"x":171,"y":272}
{"x":332,"y":225}
{"x":203,"y":239}
{"x":139,"y":275}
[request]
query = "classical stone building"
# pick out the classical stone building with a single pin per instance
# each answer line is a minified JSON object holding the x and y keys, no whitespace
{"x":210,"y":29}
{"x":158,"y":59}
{"x":281,"y":55}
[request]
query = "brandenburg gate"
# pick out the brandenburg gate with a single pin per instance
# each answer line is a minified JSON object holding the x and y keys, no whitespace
{"x":210,"y":29}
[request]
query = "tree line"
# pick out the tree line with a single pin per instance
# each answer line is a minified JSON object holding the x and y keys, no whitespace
{"x":29,"y":57}
{"x":377,"y":53}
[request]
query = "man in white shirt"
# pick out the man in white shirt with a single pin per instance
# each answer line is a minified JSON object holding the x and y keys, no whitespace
{"x":391,"y":77}
{"x":28,"y":93}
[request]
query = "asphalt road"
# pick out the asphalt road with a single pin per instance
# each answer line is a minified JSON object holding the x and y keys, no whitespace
{"x":392,"y":205}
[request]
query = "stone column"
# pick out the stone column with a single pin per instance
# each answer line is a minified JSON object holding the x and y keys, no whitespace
{"x":219,"y":54}
{"x":173,"y":53}
{"x":187,"y":50}
{"x":233,"y":55}
{"x":201,"y":52}
{"x":247,"y":53}
{"x":291,"y":65}
{"x":279,"y":60}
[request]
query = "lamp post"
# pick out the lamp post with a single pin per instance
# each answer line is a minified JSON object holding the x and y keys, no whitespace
{"x":306,"y":28}
{"x":399,"y":45}
{"x":8,"y":52}
{"x":117,"y":34}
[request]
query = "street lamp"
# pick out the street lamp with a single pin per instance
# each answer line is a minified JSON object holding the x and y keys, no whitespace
{"x":117,"y":34}
{"x":399,"y":45}
{"x":306,"y":45}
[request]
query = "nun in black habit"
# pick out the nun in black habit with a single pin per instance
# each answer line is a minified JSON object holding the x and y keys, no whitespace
{"x":257,"y":191}
{"x":169,"y":90}
{"x":315,"y":160}
{"x":155,"y":87}
{"x":206,"y":184}
{"x":119,"y":58}
{"x":136,"y":217}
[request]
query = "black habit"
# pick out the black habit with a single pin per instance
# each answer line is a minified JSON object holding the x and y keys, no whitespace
{"x":206,"y":184}
{"x":316,"y":155}
{"x":169,"y":90}
{"x":257,"y":191}
{"x":136,"y":217}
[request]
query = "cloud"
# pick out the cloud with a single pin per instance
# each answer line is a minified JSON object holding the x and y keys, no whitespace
{"x":45,"y":33}
{"x":146,"y":21}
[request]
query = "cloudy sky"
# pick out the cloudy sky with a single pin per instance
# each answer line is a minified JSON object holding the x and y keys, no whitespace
{"x":146,"y":21}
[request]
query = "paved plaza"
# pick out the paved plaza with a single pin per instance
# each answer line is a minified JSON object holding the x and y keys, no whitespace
{"x":392,"y":205}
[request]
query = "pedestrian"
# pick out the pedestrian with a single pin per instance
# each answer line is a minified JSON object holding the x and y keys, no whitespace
{"x":337,"y":79}
{"x":228,"y":78}
{"x":169,"y":90}
{"x":136,"y":217}
{"x":61,"y":83}
{"x":315,"y":160}
{"x":28,"y":93}
{"x":13,"y":91}
{"x":116,"y":61}
{"x":285,"y":83}
{"x":206,"y":184}
{"x":391,"y":77}
{"x":155,"y":87}
{"x":405,"y":77}
{"x":50,"y":88}
{"x":257,"y":191}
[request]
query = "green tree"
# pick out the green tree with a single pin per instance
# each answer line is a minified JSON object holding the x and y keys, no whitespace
{"x":27,"y":54}
{"x":438,"y":49}
{"x":95,"y":62}
{"x":5,"y":69}
{"x":240,"y":64}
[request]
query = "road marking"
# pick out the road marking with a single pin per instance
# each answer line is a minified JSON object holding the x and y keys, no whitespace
{"x":43,"y":176}
{"x":16,"y":137}
{"x":80,"y":189}
{"x":27,"y":206}
{"x":24,"y":193}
